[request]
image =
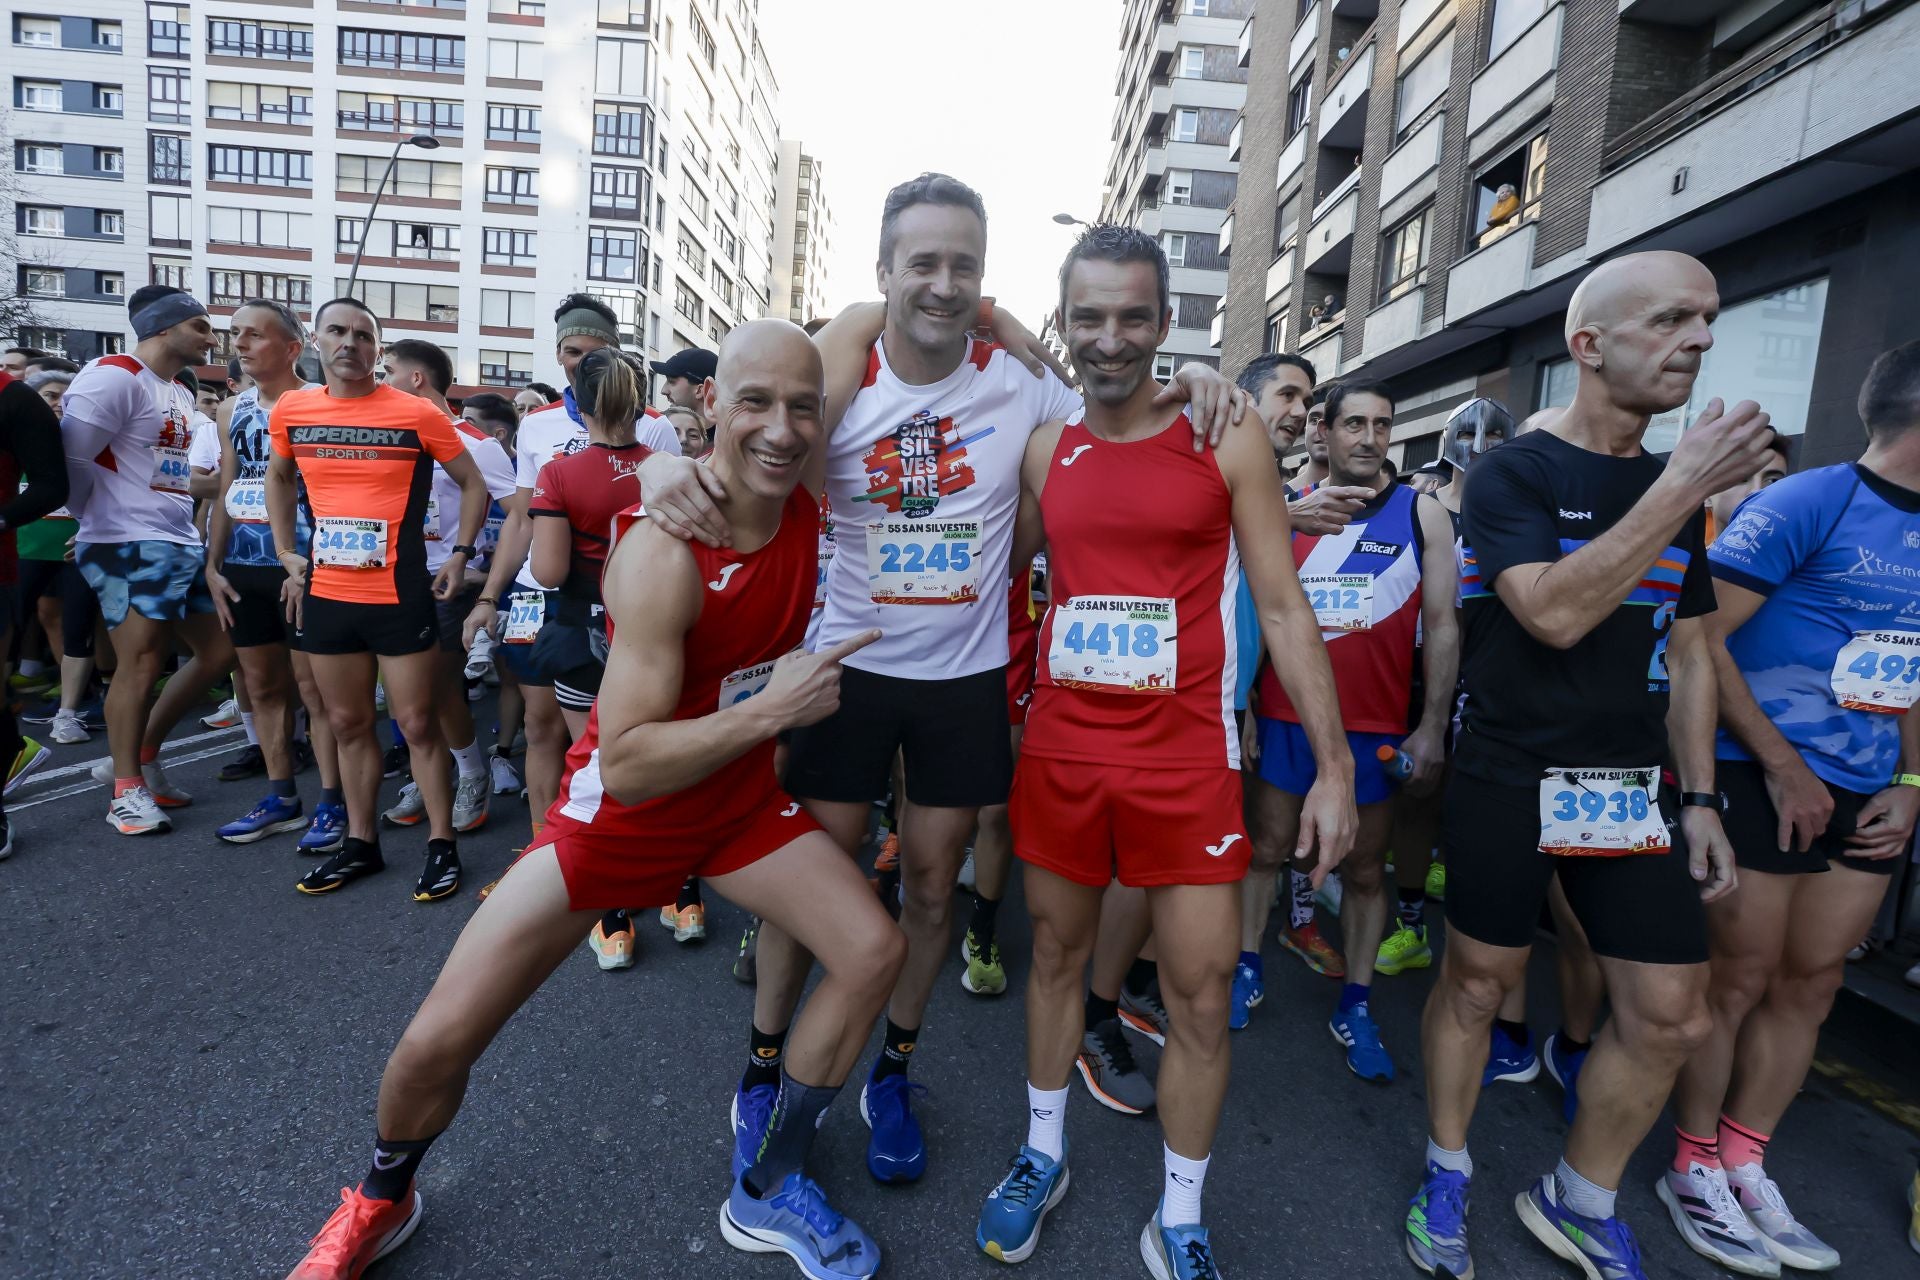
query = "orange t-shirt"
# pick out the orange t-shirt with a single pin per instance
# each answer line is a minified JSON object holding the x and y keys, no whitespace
{"x":367,"y":462}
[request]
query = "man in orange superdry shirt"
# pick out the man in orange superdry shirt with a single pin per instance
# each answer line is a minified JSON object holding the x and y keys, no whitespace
{"x":364,"y":600}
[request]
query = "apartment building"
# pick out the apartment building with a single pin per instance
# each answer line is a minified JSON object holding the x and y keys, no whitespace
{"x":623,"y":147}
{"x":1178,"y":93}
{"x":802,"y":237}
{"x":1425,"y":181}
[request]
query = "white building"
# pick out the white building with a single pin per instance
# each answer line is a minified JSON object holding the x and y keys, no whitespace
{"x":623,"y":147}
{"x":802,"y":235}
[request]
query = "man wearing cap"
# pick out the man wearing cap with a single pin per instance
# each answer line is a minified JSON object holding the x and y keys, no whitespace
{"x":126,"y":428}
{"x":686,"y":372}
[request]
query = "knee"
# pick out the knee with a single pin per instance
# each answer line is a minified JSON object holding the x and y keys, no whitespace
{"x":1364,"y":875}
{"x":1669,"y":1034}
{"x":1808,"y":992}
{"x":1737,"y":988}
{"x":545,"y":727}
{"x":1476,"y":994}
{"x":429,"y":1055}
{"x":928,"y":898}
{"x":350,"y":724}
{"x":418,"y":726}
{"x":1197,"y":1001}
{"x":1265,"y":851}
{"x":877,"y":957}
{"x":1058,"y":960}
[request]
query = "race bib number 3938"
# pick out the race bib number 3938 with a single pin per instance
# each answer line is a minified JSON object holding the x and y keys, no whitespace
{"x":1601,"y":813}
{"x":1116,"y":644}
{"x":923,"y":561}
{"x":1877,"y":671}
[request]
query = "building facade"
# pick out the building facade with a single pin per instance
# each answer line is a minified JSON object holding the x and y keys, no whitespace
{"x":802,"y":236}
{"x":1172,"y":173}
{"x":1424,"y":182}
{"x":627,"y":148}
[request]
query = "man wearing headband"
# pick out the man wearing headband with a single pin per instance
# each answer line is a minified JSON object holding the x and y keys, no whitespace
{"x":126,"y":429}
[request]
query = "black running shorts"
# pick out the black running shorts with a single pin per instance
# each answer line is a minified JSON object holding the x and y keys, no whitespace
{"x":385,"y":630}
{"x":258,"y":615}
{"x":451,"y":618}
{"x":953,"y":734}
{"x":1753,"y":827}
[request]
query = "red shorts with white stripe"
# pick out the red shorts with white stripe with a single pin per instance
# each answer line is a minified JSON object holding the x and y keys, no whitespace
{"x":604,"y":871}
{"x":1023,"y":653}
{"x":1090,"y":823}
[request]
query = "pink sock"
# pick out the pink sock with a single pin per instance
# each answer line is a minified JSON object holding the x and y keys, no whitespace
{"x":1740,"y":1145}
{"x":1689,"y":1150}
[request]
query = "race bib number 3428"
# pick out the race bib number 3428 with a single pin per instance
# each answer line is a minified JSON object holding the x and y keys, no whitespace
{"x":1115,"y":644}
{"x":1601,"y":813}
{"x":348,"y":543}
{"x":923,"y":561}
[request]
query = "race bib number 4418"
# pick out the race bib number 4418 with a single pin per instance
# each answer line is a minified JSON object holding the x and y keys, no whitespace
{"x":1601,"y":813}
{"x":923,"y":561}
{"x":1116,"y":644}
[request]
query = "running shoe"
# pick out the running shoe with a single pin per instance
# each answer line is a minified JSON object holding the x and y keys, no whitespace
{"x":612,"y":950}
{"x":1437,"y":1225}
{"x":1111,"y":1075}
{"x":689,"y":923}
{"x":1860,"y":950}
{"x":479,"y":655}
{"x":797,"y":1220}
{"x":396,"y":761}
{"x":752,"y":1112}
{"x":1405,"y":948}
{"x":1710,"y":1221}
{"x":886,"y":873}
{"x":470,"y":803}
{"x":1366,"y":1056}
{"x":1248,"y":992}
{"x":506,"y":781}
{"x":1603,"y":1248}
{"x":1311,"y":946}
{"x":361,"y":1232}
{"x":746,"y":964}
{"x":440,"y":874}
{"x":1144,"y":1013}
{"x":6,"y":837}
{"x":1759,"y":1198}
{"x":270,"y":817}
{"x":42,"y":714}
{"x":94,"y":715}
{"x":30,"y":759}
{"x":134,"y":813}
{"x":225,"y":716}
{"x":896,"y":1151}
{"x":1177,"y":1253}
{"x":68,"y":729}
{"x":327,"y":832}
{"x":1509,"y":1060}
{"x":1330,"y":894}
{"x":1564,"y":1065}
{"x":250,"y":763}
{"x":984,"y":974}
{"x":411,"y":810}
{"x":355,"y":859}
{"x":165,"y":794}
{"x":1010,"y":1220}
{"x":20,"y":682}
{"x":968,"y":878}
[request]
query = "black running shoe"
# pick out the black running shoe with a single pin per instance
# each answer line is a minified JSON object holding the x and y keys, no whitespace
{"x":302,"y":751}
{"x":395,"y":763}
{"x":440,"y":877}
{"x":248,"y":764}
{"x":356,"y":858}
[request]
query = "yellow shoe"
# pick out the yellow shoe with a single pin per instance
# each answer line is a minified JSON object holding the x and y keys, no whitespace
{"x":30,"y":759}
{"x":612,"y":950}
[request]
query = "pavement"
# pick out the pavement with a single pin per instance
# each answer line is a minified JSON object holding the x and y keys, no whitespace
{"x":190,"y":1051}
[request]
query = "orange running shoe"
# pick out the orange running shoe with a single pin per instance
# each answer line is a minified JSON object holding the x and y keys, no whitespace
{"x":360,"y":1233}
{"x":888,"y":859}
{"x":1319,"y":954}
{"x":689,"y":924}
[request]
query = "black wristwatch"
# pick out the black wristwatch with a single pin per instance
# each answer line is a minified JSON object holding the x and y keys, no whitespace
{"x":1703,"y":800}
{"x":463,"y":549}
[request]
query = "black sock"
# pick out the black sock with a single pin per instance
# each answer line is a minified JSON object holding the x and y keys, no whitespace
{"x":765,"y":1051}
{"x":615,"y":921}
{"x":689,"y":894}
{"x":1099,"y":1011}
{"x":796,"y":1118}
{"x":357,"y":850}
{"x":895,"y":1051}
{"x":1570,"y":1045}
{"x":393,"y":1167}
{"x":985,"y":920}
{"x":1516,"y":1031}
{"x":1141,"y":976}
{"x":1413,"y":907}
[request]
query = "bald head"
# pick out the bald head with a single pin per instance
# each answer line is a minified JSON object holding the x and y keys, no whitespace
{"x":767,"y":345}
{"x":1637,"y":329}
{"x":1622,"y":286}
{"x":766,"y":403}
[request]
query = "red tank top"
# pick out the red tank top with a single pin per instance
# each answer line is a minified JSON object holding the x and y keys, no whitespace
{"x":1136,"y":652}
{"x":754,"y":608}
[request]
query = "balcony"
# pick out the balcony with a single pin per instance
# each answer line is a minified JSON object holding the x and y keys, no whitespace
{"x":1226,"y":234}
{"x":1414,"y":16}
{"x":1329,"y":241}
{"x":1304,"y":37}
{"x":1280,"y":274}
{"x":1412,"y":160}
{"x":1393,"y":324}
{"x":1166,"y":39}
{"x":1291,"y":157}
{"x":1233,"y":138}
{"x":1322,"y":350}
{"x":1486,"y":276}
{"x":1244,"y":52}
{"x":1524,"y":70}
{"x":1343,"y":110}
{"x":1360,"y":10}
{"x":1217,"y":330}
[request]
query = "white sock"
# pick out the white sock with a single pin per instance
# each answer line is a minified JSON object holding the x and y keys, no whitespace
{"x":246,"y":722}
{"x":1047,"y":1121}
{"x":1586,"y":1198}
{"x":471,"y":759}
{"x":31,"y":666}
{"x":1452,"y":1161}
{"x":1180,"y":1197}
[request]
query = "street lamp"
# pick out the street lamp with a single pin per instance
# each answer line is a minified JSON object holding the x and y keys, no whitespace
{"x":424,"y":141}
{"x":1068,"y":220}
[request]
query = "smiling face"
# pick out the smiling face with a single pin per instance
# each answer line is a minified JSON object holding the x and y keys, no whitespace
{"x":1113,"y":324}
{"x":1282,"y":405}
{"x":765,"y":401}
{"x":932,"y":281}
{"x":189,"y":341}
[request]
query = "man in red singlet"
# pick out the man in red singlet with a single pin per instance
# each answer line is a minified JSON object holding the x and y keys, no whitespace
{"x":674,"y":776}
{"x":1130,"y":762}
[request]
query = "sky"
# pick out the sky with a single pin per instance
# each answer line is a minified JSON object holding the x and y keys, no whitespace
{"x":1012,"y":97}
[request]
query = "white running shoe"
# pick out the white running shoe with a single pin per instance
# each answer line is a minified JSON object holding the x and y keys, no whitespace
{"x":164,"y":792}
{"x":506,"y":781}
{"x":480,"y":656}
{"x":225,"y":716}
{"x":470,"y":803}
{"x":1330,"y":893}
{"x":967,"y":873}
{"x":412,"y":809}
{"x":68,"y":729}
{"x":1710,"y":1221}
{"x":134,"y":813}
{"x":1759,"y":1196}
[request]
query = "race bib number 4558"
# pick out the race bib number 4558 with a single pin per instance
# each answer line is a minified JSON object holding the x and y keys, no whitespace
{"x":1601,"y":813}
{"x":923,"y":561}
{"x":1116,"y":644}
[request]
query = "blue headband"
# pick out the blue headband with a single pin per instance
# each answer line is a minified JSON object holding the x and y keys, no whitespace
{"x":165,"y":312}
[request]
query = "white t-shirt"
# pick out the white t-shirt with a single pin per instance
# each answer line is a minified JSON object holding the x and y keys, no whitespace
{"x":549,"y":433}
{"x":204,"y":453}
{"x":127,"y":432}
{"x":925,"y":483}
{"x":443,"y":508}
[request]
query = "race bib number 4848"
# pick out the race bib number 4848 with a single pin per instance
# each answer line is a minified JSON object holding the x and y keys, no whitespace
{"x":1601,"y":813}
{"x":1116,"y":644}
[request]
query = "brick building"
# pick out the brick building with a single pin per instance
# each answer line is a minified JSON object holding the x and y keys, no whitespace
{"x":1423,"y":182}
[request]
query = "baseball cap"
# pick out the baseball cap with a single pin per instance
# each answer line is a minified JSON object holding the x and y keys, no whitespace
{"x":696,"y":363}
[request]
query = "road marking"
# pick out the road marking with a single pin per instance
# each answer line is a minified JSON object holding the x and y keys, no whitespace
{"x":91,"y":785}
{"x":1891,"y":1103}
{"x":86,"y":766}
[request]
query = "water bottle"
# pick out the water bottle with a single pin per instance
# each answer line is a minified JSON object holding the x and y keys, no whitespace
{"x":1397,"y":763}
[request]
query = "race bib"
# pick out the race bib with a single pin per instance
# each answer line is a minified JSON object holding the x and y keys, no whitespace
{"x":170,"y":469}
{"x":923,"y":561}
{"x":433,"y":516}
{"x":348,"y":543}
{"x":526,"y":611}
{"x":744,"y":683}
{"x":1341,"y":601}
{"x":247,"y":501}
{"x":1117,"y":644}
{"x":1601,"y":813}
{"x":1878,"y":671}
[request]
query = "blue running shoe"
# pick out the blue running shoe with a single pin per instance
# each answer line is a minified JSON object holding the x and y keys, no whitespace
{"x":327,"y":833}
{"x":1508,"y":1059}
{"x":1177,"y":1253}
{"x":797,"y":1220}
{"x":1437,"y":1225}
{"x":1564,"y":1066}
{"x":1010,"y":1220}
{"x":1248,"y":991}
{"x":752,"y":1111}
{"x":1602,"y":1248}
{"x":270,"y":817}
{"x":1366,"y":1057}
{"x":896,"y":1152}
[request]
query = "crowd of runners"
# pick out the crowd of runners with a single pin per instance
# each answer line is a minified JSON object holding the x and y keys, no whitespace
{"x":901,"y":562}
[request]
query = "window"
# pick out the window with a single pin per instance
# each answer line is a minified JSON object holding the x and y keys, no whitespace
{"x":412,"y":179}
{"x":1193,"y":63}
{"x":41,"y":33}
{"x":168,"y":159}
{"x":167,"y":31}
{"x":506,"y":309}
{"x":41,"y":95}
{"x":702,"y":38}
{"x":252,"y":38}
{"x":620,"y":67}
{"x":107,"y":97}
{"x":1163,"y":366}
{"x":263,"y":227}
{"x":1763,"y":349}
{"x":512,"y":124}
{"x":729,"y":195}
{"x":520,"y":8}
{"x":1558,"y":381}
{"x":1196,"y":8}
{"x":690,"y":250}
{"x":109,"y":160}
{"x":1403,"y":257}
{"x":513,"y":186}
{"x":627,"y":305}
{"x":1423,"y":84}
{"x":693,"y":197}
{"x":618,"y":190}
{"x":1186,"y":125}
{"x":231,"y":288}
{"x":505,"y":368}
{"x":723,"y":285}
{"x":169,"y":94}
{"x":51,"y":340}
{"x":1179,"y":186}
{"x":45,"y":282}
{"x":390,"y":113}
{"x":688,"y":304}
{"x":393,"y":51}
{"x":111,"y":284}
{"x":1286,"y":222}
{"x":612,"y":254}
{"x":513,"y":59}
{"x":1299,"y":104}
{"x":508,"y":248}
{"x":1511,"y":18}
{"x":169,"y":220}
{"x":172,"y":272}
{"x":622,"y":131}
{"x":262,"y":166}
{"x":623,"y":13}
{"x":430,"y":241}
{"x":43,"y":220}
{"x":258,"y":103}
{"x":109,"y":222}
{"x":1175,"y":245}
{"x":1276,"y":333}
{"x":698,"y":155}
{"x":1507,"y":196}
{"x":429,"y":303}
{"x":38,"y":157}
{"x":725,"y":243}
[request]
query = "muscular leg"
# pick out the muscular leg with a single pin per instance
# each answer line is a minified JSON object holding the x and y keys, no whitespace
{"x":1583,"y":988}
{"x":1364,"y":909}
{"x":139,"y":648}
{"x":1126,"y":925}
{"x":450,"y":700}
{"x":576,"y":722}
{"x":1066,"y":916}
{"x":212,"y":658}
{"x":546,"y":749}
{"x":1748,"y":931}
{"x":1474,"y":977}
{"x":326,"y":753}
{"x":511,"y":708}
{"x":1273,"y":827}
{"x":1194,"y":925}
{"x":345,"y":683}
{"x":409,"y":680}
{"x":781,"y":963}
{"x":933,"y":844}
{"x":993,"y":844}
{"x":269,"y":680}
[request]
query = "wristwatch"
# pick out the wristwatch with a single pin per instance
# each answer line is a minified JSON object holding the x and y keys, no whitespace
{"x":463,"y":549}
{"x":1703,"y":800}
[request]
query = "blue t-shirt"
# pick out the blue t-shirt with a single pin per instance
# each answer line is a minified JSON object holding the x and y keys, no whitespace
{"x":1246,"y":629}
{"x":1836,"y":553}
{"x":251,"y":542}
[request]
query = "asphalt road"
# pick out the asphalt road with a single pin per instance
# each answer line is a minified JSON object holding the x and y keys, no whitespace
{"x":189,"y":1053}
